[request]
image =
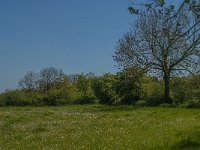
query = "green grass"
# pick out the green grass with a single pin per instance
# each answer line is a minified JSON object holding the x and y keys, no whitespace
{"x":99,"y":127}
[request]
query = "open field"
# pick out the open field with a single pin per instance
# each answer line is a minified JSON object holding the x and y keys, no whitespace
{"x":99,"y":127}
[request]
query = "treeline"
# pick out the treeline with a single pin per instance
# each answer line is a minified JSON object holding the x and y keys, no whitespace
{"x":52,"y":87}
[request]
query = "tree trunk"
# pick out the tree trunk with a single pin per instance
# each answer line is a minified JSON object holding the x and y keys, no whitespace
{"x":167,"y":98}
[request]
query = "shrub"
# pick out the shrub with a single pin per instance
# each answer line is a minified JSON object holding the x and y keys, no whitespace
{"x":152,"y":91}
{"x":129,"y":85}
{"x":195,"y":103}
{"x":52,"y":102}
{"x":141,"y":103}
{"x":156,"y":98}
{"x":14,"y":98}
{"x":85,"y":100}
{"x":179,"y":90}
{"x":105,"y":89}
{"x":167,"y":105}
{"x":185,"y":88}
{"x":154,"y":101}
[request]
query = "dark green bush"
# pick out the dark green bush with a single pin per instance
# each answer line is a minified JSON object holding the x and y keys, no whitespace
{"x":185,"y":88}
{"x":129,"y":85}
{"x":85,"y":100}
{"x":52,"y":102}
{"x":105,"y":89}
{"x":155,"y":99}
{"x":195,"y":103}
{"x":14,"y":98}
{"x":152,"y":91}
{"x":167,"y":105}
{"x":141,"y":103}
{"x":180,"y":90}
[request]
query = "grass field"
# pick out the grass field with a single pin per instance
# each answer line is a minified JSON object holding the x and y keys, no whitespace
{"x":99,"y":127}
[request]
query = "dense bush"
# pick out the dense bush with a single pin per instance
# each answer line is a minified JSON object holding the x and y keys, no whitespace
{"x":19,"y":98}
{"x":185,"y":89}
{"x":195,"y":103}
{"x":129,"y":85}
{"x":62,"y":92}
{"x":141,"y":103}
{"x":105,"y":89}
{"x":167,"y":105}
{"x":180,"y":90}
{"x":152,"y":91}
{"x":13,"y":98}
{"x":83,"y":84}
{"x":85,"y":100}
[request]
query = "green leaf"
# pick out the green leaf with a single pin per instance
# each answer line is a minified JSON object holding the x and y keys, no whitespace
{"x":133,"y":10}
{"x":172,"y":7}
{"x":161,"y":2}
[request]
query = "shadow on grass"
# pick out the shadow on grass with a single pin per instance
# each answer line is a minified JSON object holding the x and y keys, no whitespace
{"x":190,"y":141}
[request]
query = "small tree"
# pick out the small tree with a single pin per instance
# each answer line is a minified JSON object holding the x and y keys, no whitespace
{"x":84,"y":84}
{"x":164,"y":40}
{"x":48,"y":77}
{"x":29,"y":81}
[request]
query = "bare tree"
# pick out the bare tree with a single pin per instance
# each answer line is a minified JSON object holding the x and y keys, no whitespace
{"x":48,"y":77}
{"x":29,"y":81}
{"x":163,"y":40}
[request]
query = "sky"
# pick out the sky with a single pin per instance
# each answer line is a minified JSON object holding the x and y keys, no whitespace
{"x":74,"y":35}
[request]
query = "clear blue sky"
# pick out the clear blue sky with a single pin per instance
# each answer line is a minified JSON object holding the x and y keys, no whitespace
{"x":75,"y":35}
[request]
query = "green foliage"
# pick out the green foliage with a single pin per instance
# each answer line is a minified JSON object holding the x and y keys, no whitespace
{"x":195,"y":103}
{"x":152,"y":91}
{"x":24,"y":98}
{"x":64,"y":91}
{"x":180,"y":90}
{"x":141,"y":103}
{"x":185,"y":88}
{"x":84,"y":83}
{"x":132,"y":10}
{"x":15,"y":97}
{"x":61,"y":92}
{"x":167,"y":105}
{"x":129,"y":85}
{"x":194,"y":85}
{"x":85,"y":100}
{"x":161,"y":2}
{"x":105,"y":89}
{"x":154,"y":100}
{"x":172,"y":7}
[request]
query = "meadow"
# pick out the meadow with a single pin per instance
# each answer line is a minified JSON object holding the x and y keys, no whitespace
{"x":90,"y":127}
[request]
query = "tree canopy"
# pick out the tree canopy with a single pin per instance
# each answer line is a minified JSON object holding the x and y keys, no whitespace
{"x":164,"y":40}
